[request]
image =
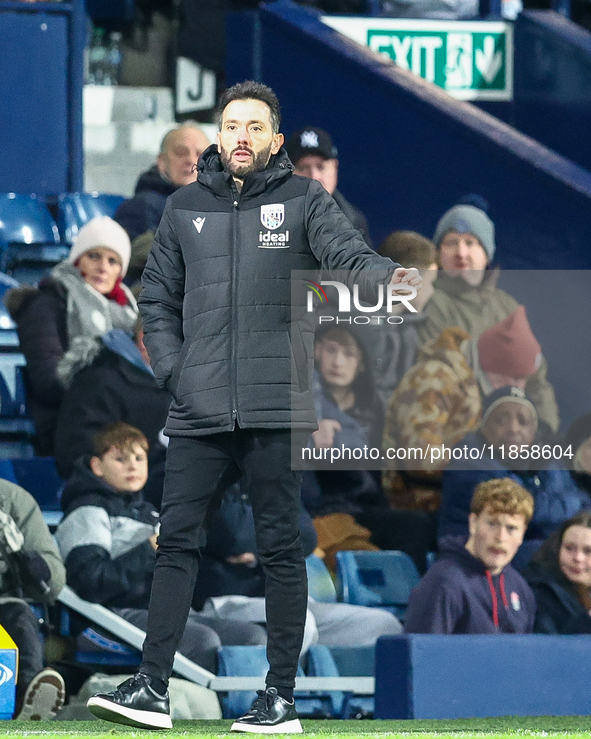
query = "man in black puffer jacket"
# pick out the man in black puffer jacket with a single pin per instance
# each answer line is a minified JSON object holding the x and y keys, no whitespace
{"x":216,"y":304}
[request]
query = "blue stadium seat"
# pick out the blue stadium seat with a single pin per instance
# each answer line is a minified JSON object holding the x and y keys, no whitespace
{"x":77,"y":208}
{"x":353,"y":661}
{"x":320,"y":584}
{"x":16,"y":428}
{"x":8,"y":333}
{"x":40,"y":477}
{"x":383,"y":579}
{"x":29,"y":236}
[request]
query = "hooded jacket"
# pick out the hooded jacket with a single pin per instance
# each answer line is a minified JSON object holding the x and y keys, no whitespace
{"x":103,"y":539}
{"x":144,"y":210}
{"x":458,"y":595}
{"x":216,"y":298}
{"x":38,"y":559}
{"x":114,"y":385}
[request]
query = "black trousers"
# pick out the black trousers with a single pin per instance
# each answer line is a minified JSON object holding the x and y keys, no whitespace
{"x":198,"y":471}
{"x":21,"y":623}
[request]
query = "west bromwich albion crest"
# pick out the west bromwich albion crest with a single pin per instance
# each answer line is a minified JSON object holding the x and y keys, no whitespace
{"x":272,"y":215}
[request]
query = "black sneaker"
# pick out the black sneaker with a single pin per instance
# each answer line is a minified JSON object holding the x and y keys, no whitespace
{"x":133,"y":703}
{"x":270,"y":714}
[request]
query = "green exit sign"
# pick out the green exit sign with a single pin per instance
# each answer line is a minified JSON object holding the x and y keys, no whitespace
{"x":471,"y":60}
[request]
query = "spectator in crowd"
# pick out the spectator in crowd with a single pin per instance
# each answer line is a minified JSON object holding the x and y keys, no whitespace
{"x":175,"y":166}
{"x":577,"y":442}
{"x":466,"y":295}
{"x":313,"y":154}
{"x":439,"y":400}
{"x":108,"y":539}
{"x":30,"y":568}
{"x":81,"y":299}
{"x":560,"y":576}
{"x":230,"y":567}
{"x":509,"y":419}
{"x":350,"y":415}
{"x":115,"y":384}
{"x":395,"y":344}
{"x":472,"y":588}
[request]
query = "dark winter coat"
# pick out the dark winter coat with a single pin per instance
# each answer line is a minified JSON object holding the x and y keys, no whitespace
{"x":41,"y":316}
{"x":559,"y":609}
{"x":458,"y":595}
{"x":556,"y":497}
{"x":103,"y":540}
{"x":144,"y":210}
{"x":356,"y":217}
{"x":115,"y":386}
{"x":216,"y":297}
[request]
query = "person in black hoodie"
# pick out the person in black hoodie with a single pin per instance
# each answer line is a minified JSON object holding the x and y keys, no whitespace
{"x":473,"y":589}
{"x":108,"y":541}
{"x":560,"y":576}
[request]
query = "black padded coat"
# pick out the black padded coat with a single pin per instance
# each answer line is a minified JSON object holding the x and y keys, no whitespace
{"x":216,"y":298}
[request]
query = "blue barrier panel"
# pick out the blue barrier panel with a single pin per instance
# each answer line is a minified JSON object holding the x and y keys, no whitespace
{"x":553,"y":83}
{"x":407,"y":150}
{"x":428,"y":676}
{"x":8,"y":668}
{"x":41,"y":79}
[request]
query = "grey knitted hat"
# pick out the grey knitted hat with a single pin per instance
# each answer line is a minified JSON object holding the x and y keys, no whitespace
{"x":468,"y":219}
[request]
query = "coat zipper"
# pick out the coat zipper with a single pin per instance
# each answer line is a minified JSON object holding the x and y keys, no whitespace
{"x":233,"y":298}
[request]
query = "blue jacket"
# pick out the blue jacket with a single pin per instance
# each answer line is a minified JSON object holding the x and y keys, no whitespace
{"x":555,"y":494}
{"x":458,"y":595}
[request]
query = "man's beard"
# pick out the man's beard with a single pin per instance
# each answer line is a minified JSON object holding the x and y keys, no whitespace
{"x":240,"y":171}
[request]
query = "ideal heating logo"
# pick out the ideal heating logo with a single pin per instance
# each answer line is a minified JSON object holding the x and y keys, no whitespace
{"x":272,"y":217}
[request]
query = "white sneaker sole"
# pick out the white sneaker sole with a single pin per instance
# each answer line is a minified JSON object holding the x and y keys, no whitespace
{"x":109,"y":711}
{"x":45,"y":695}
{"x":287,"y":727}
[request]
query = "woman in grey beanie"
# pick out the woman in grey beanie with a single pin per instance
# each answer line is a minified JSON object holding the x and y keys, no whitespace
{"x":60,"y":321}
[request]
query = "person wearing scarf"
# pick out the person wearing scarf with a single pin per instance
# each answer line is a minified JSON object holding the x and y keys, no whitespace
{"x":81,"y":299}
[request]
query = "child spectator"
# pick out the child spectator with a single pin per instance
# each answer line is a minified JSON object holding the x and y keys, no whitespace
{"x":108,"y":539}
{"x":472,"y":588}
{"x":560,"y":576}
{"x":82,"y":298}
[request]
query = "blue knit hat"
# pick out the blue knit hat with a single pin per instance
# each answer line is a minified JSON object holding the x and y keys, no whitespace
{"x":468,"y":219}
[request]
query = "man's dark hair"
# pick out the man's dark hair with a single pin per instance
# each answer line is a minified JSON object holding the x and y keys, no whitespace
{"x":251,"y":90}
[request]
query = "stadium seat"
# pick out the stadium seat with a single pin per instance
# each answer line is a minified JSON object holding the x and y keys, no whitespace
{"x":29,"y":237}
{"x":8,"y":333}
{"x":16,"y":428}
{"x":355,"y":661}
{"x":77,"y":208}
{"x":320,"y":584}
{"x":383,"y":579}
